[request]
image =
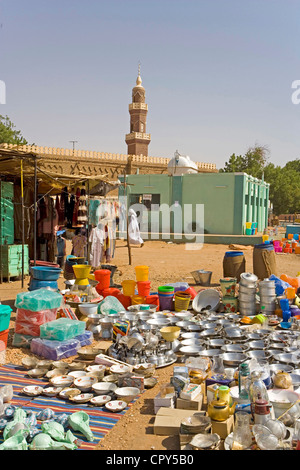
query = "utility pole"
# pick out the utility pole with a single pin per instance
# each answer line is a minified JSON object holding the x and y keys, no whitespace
{"x":73,"y":142}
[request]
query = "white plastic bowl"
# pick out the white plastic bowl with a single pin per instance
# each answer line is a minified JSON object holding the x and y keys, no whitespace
{"x":282,"y":400}
{"x":88,"y":308}
{"x":104,"y":388}
{"x":127,"y":394}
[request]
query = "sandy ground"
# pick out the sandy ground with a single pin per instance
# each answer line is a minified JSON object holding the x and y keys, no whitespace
{"x":168,"y":263}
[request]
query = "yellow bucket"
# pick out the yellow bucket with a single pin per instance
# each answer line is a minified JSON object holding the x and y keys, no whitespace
{"x":137,"y":299}
{"x":128,"y":287}
{"x":248,"y":224}
{"x":265,"y":238}
{"x":142,"y":273}
{"x":81,"y":271}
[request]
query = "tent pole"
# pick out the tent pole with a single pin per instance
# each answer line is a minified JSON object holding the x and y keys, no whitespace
{"x":127,"y":221}
{"x":23,"y":227}
{"x":35,"y":211}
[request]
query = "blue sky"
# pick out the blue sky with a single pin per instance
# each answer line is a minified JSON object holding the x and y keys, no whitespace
{"x":217,"y":74}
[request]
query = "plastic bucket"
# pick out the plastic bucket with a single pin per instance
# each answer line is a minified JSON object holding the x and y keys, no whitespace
{"x":4,"y":336}
{"x":166,"y":290}
{"x":248,"y":225}
{"x":182,"y":301}
{"x":228,"y":286}
{"x":128,"y":287}
{"x":142,"y":273}
{"x":166,"y":302}
{"x":103,"y":278}
{"x":230,"y":304}
{"x":137,"y":299}
{"x":81,"y":271}
{"x":5,"y":313}
{"x":37,"y":284}
{"x":152,"y":300}
{"x":45,"y":273}
{"x":112,"y":291}
{"x":144,"y":288}
{"x":290,"y":293}
{"x":125,"y":300}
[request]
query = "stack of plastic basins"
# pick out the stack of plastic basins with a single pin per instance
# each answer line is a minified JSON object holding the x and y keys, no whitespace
{"x":34,"y":308}
{"x":61,"y":338}
{"x":5,"y":313}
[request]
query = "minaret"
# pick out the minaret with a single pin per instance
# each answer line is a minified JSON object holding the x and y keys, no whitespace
{"x":137,"y":141}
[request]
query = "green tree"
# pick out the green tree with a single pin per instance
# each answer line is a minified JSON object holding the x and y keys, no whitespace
{"x":9,"y":134}
{"x":253,"y":162}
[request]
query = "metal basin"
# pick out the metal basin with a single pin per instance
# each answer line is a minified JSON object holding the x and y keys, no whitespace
{"x":296,"y":380}
{"x":234,"y":348}
{"x":247,"y":290}
{"x":209,"y":333}
{"x":191,"y":342}
{"x":279,"y":366}
{"x":208,"y":299}
{"x":233,"y":359}
{"x":287,"y":358}
{"x":216,"y":343}
{"x":211,"y":352}
{"x":208,"y":324}
{"x":258,"y":354}
{"x":191,"y":334}
{"x":158,"y":322}
{"x":202,"y":277}
{"x":191,"y":350}
{"x":257,"y":344}
{"x":184,"y":324}
{"x":194,"y":327}
{"x":234,"y":333}
{"x":225,"y":323}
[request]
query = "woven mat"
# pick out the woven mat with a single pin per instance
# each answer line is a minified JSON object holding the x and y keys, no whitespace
{"x":101,"y":420}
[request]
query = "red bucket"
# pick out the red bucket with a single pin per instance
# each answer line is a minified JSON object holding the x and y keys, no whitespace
{"x":144,"y":288}
{"x":125,"y":300}
{"x":103,"y":278}
{"x":152,"y":300}
{"x":191,"y":291}
{"x":113,"y":291}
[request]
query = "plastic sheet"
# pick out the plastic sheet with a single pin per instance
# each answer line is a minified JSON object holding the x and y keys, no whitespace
{"x":38,"y":300}
{"x":62,"y":329}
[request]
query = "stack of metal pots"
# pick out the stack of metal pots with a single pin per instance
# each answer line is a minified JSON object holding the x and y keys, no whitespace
{"x":247,"y":294}
{"x":268,"y":299}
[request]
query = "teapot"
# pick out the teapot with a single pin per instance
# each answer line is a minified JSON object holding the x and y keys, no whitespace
{"x":220,"y":410}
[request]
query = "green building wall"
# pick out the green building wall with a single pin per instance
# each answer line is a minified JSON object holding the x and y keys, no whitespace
{"x":229,"y":200}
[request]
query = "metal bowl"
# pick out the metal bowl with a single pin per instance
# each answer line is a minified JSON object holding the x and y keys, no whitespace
{"x":208,"y":324}
{"x":233,"y":359}
{"x":208,"y":299}
{"x":258,"y":354}
{"x":253,"y":336}
{"x":278,"y":346}
{"x":225,"y":323}
{"x":278,"y":366}
{"x":217,"y":342}
{"x":210,"y":352}
{"x":257,"y":344}
{"x":247,"y":290}
{"x":234,"y":348}
{"x":209,"y":333}
{"x":190,"y":334}
{"x":191,"y":342}
{"x":287,"y":358}
{"x":157,"y":323}
{"x":192,"y":350}
{"x":194,"y":327}
{"x":296,"y":380}
{"x":184,"y":324}
{"x":234,"y":333}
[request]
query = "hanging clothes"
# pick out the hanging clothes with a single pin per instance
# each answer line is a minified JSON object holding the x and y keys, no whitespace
{"x":96,"y":240}
{"x":79,"y":243}
{"x":76,"y":207}
{"x":82,"y":209}
{"x":70,"y":210}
